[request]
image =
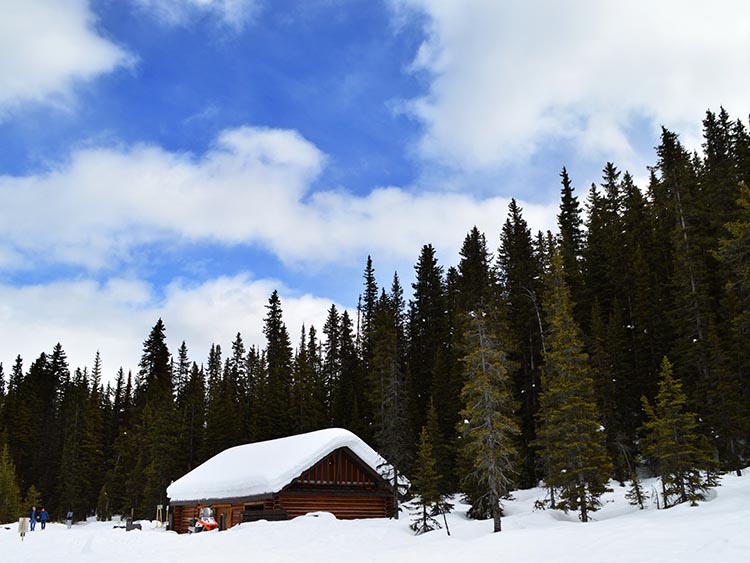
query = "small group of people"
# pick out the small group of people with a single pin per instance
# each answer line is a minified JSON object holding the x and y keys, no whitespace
{"x":42,"y":517}
{"x":28,"y":524}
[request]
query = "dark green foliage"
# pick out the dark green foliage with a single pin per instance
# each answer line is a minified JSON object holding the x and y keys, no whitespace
{"x":570,"y":437}
{"x":103,"y":509}
{"x":309,"y":392}
{"x":636,"y":496}
{"x":663,"y":271}
{"x":672,"y":444}
{"x":425,"y":485}
{"x":489,"y":430}
{"x":274,"y":416}
{"x":519,"y":272}
{"x":10,"y":493}
{"x":387,"y":385}
{"x":428,"y":334}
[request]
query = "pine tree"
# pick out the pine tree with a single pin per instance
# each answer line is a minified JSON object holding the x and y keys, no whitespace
{"x":489,"y":430}
{"x":425,"y":485}
{"x":427,"y":329}
{"x":157,"y":422}
{"x":636,"y":496}
{"x":182,"y":372}
{"x":103,"y":510}
{"x":277,"y":411}
{"x":569,"y":222}
{"x":92,"y":440}
{"x":2,"y":394}
{"x":571,"y":438}
{"x":70,"y":491}
{"x":388,"y":392}
{"x":519,"y":271}
{"x":331,"y":366}
{"x":308,"y":394}
{"x":366,"y":314}
{"x":732,"y":389}
{"x":217,"y":435}
{"x":475,"y":280}
{"x":10,"y":493}
{"x":671,"y":443}
{"x":33,"y":498}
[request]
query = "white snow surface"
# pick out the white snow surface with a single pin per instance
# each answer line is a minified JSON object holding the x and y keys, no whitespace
{"x":713,"y":532}
{"x":266,"y":467}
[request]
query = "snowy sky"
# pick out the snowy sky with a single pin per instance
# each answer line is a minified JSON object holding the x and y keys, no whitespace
{"x":183,"y":158}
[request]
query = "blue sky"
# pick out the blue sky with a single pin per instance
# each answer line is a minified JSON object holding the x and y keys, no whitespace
{"x":183,"y":158}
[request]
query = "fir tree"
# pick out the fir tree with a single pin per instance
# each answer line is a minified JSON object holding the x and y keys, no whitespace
{"x":671,"y":443}
{"x":571,"y":437}
{"x":388,"y":391}
{"x":10,"y":494}
{"x":427,"y":332}
{"x":569,"y":222}
{"x":277,"y":408}
{"x":103,"y":510}
{"x":519,"y":271}
{"x":636,"y":496}
{"x":157,"y":421}
{"x":489,"y":430}
{"x":425,"y":485}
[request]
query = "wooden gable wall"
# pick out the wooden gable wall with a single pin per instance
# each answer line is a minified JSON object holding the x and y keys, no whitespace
{"x":340,"y":468}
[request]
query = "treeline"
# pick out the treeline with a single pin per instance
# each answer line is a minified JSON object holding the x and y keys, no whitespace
{"x":543,"y":358}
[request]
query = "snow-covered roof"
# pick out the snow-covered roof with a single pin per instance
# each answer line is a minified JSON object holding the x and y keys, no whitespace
{"x":266,"y":467}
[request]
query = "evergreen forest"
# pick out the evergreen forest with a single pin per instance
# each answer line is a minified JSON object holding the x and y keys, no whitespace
{"x":614,"y":347}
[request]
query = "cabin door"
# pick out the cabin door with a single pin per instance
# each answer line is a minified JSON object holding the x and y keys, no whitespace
{"x":223,"y":515}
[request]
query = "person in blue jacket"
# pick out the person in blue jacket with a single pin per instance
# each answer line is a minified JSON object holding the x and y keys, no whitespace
{"x":32,"y":518}
{"x":43,"y":517}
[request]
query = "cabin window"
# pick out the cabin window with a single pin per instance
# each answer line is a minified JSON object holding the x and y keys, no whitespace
{"x":254,"y":506}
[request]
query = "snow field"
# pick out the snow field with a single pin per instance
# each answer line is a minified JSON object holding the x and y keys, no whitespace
{"x":713,"y":532}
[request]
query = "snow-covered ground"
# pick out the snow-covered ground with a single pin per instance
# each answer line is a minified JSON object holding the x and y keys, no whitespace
{"x":716,"y":531}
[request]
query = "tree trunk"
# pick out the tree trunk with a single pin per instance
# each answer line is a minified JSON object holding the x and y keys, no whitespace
{"x":496,"y":514}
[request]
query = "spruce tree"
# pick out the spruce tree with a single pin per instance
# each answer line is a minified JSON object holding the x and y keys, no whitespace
{"x":10,"y":493}
{"x":157,"y":421}
{"x":388,"y":392}
{"x":571,"y":438}
{"x":425,"y":485}
{"x":672,"y":444}
{"x":427,"y":329}
{"x":519,"y":271}
{"x":732,"y":389}
{"x":636,"y":496}
{"x":277,"y":411}
{"x":569,"y":222}
{"x":489,"y":431}
{"x":331,"y":366}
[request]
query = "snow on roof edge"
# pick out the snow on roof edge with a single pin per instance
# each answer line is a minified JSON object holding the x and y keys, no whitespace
{"x":267,"y":467}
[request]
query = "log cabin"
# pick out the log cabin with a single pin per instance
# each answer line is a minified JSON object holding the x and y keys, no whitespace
{"x":329,"y":470}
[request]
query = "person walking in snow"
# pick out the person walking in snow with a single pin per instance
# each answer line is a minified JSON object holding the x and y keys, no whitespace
{"x":43,"y":517}
{"x":23,"y":526}
{"x":69,"y":518}
{"x":32,"y":518}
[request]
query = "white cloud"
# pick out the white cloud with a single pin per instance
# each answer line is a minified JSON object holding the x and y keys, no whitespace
{"x":251,"y":188}
{"x":505,"y":77}
{"x":115,"y":318}
{"x":232,"y":13}
{"x":47,"y":47}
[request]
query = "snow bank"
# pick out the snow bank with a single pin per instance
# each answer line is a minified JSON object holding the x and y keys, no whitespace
{"x":714,"y":531}
{"x":266,"y":467}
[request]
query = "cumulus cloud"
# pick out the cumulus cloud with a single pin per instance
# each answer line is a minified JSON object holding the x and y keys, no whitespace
{"x":252,"y":187}
{"x":232,"y":13}
{"x":506,"y":77}
{"x":48,"y":46}
{"x":116,"y":316}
